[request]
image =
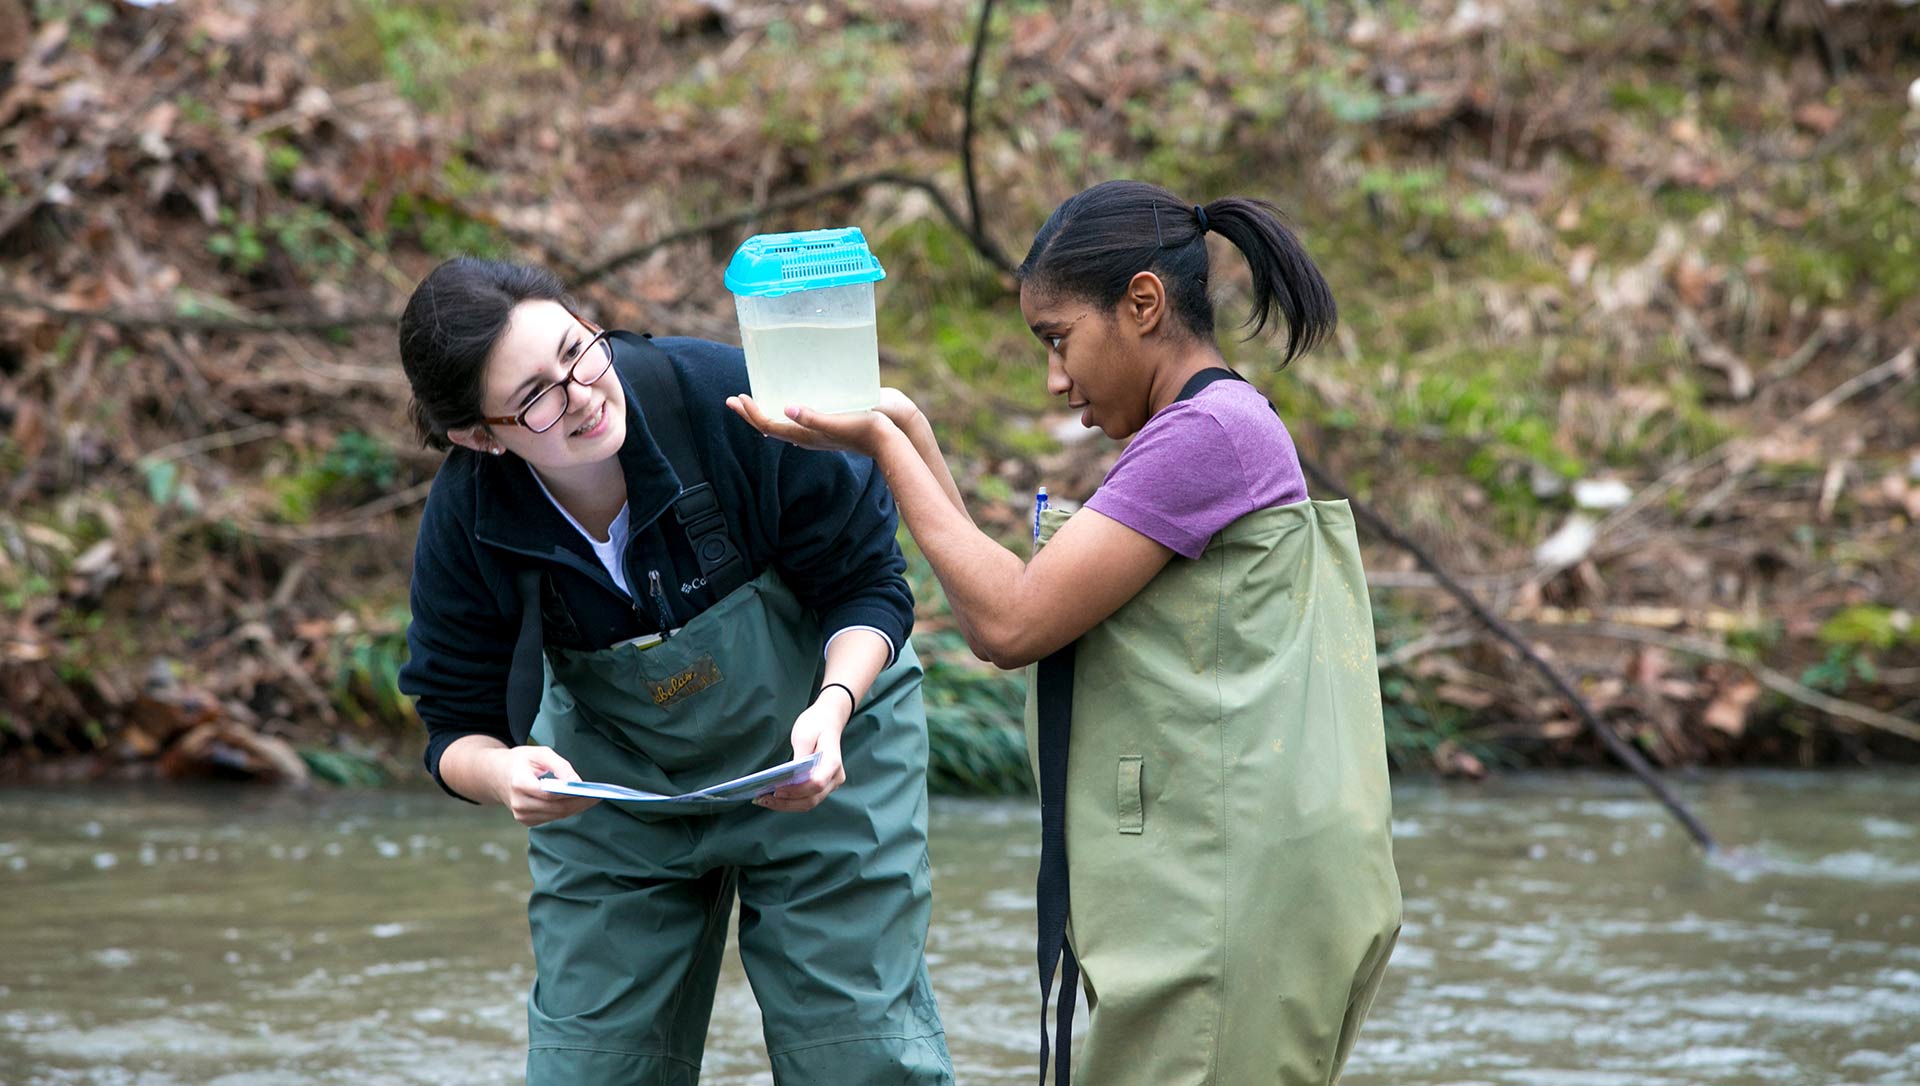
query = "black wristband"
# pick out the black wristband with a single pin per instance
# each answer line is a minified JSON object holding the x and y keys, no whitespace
{"x":853,"y":702}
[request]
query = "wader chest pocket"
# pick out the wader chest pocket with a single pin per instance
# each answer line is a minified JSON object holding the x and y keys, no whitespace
{"x":1131,"y":817}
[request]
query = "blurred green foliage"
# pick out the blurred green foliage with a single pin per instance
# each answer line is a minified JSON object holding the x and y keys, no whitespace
{"x":976,"y":745}
{"x":366,"y":678}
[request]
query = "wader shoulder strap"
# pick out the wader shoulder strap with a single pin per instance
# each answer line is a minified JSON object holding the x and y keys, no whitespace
{"x":697,"y":510}
{"x":1204,"y":378}
{"x":526,"y":677}
{"x":1208,"y":376}
{"x":1055,"y":705}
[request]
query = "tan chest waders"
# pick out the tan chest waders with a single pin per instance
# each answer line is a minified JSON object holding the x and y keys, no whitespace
{"x":1220,"y":813}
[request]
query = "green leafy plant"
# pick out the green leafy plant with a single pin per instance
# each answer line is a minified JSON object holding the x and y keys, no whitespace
{"x":283,"y":159}
{"x":238,"y":244}
{"x":442,"y":229}
{"x":366,"y":678}
{"x":87,"y":17}
{"x":29,"y":587}
{"x":1852,"y":636}
{"x":343,"y":768}
{"x":976,"y":744}
{"x":1843,"y":665}
{"x":362,"y":459}
{"x":1870,"y":625}
{"x":356,"y":468}
{"x":410,"y":46}
{"x":312,"y":241}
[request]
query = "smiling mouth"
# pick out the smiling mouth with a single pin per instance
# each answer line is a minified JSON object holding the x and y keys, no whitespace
{"x":591,"y":422}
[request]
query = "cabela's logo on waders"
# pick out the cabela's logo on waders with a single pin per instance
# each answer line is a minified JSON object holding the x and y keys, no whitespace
{"x":702,"y":674}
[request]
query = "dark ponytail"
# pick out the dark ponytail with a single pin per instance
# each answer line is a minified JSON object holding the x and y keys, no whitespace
{"x":1093,"y":245}
{"x":456,"y":315}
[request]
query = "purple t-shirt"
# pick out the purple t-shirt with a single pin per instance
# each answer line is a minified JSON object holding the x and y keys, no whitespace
{"x":1201,"y":464}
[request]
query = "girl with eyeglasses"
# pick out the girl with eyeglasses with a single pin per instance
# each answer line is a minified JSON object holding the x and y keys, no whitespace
{"x":616,"y":578}
{"x":1204,"y":708}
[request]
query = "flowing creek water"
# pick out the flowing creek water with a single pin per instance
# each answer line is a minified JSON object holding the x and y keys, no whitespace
{"x":1560,"y":931}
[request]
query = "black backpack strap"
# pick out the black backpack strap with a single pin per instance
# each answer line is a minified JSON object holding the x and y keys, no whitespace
{"x":526,"y":677}
{"x":1054,"y":693}
{"x":698,"y":508}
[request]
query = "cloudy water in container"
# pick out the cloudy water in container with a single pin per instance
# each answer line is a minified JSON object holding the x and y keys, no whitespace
{"x":812,"y":365}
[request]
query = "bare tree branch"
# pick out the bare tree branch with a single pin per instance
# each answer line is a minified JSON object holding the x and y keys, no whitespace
{"x":884,"y":178}
{"x":979,"y":230}
{"x":194,"y":322}
{"x":307,"y":325}
{"x":1615,"y":745}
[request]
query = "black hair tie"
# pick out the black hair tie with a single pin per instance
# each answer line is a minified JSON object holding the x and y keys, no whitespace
{"x":1200,"y":213}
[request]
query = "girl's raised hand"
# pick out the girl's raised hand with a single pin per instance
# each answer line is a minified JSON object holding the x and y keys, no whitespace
{"x":850,"y":431}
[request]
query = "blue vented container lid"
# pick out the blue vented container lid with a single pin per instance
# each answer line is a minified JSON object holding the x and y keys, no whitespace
{"x":769,"y":265}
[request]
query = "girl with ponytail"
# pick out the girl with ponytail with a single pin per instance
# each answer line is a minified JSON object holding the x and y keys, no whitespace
{"x":1204,"y":709}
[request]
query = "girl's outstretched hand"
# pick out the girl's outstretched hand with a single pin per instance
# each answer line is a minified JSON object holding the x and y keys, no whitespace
{"x":850,"y":431}
{"x":895,"y":405}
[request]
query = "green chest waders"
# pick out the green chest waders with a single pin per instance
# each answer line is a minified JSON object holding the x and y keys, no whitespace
{"x":630,"y":907}
{"x":1221,"y":813}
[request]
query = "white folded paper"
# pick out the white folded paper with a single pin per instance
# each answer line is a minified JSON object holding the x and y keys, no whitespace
{"x":738,"y":790}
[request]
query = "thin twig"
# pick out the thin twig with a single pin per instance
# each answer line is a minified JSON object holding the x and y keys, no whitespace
{"x":204,"y":395}
{"x":368,"y":253}
{"x":1802,"y":355}
{"x":1413,"y":580}
{"x":357,"y":521}
{"x":193,"y":322}
{"x":1900,"y":367}
{"x":1435,"y":641}
{"x":226,"y":439}
{"x":284,"y":118}
{"x":1711,"y":352}
{"x":325,"y":369}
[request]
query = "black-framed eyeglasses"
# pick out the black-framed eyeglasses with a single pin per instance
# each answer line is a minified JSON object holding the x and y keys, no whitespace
{"x":551,"y":403}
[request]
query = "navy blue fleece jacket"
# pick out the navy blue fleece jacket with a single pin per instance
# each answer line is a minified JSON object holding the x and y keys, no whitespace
{"x":825,"y":521}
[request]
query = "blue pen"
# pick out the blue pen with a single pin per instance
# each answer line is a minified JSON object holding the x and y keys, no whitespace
{"x":1039,"y":507}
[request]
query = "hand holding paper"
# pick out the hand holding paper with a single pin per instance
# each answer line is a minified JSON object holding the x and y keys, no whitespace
{"x":816,"y":735}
